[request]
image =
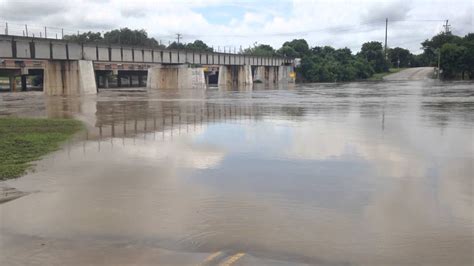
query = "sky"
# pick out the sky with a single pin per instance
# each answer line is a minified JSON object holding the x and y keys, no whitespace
{"x":242,"y":23}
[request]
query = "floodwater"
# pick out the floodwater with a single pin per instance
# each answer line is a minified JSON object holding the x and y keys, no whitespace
{"x":323,"y":174}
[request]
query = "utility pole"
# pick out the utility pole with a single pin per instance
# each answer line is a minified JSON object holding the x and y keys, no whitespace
{"x":6,"y":28}
{"x":179,"y":36}
{"x":439,"y":62}
{"x":446,"y":27}
{"x":386,"y":30}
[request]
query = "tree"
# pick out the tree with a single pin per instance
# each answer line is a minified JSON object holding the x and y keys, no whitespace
{"x":297,"y":47}
{"x":326,"y":64}
{"x":86,"y":37}
{"x":124,"y":36}
{"x":260,"y":50}
{"x":452,"y":58}
{"x":176,"y":46}
{"x":129,"y":37}
{"x":397,"y":54}
{"x":468,"y":42}
{"x":199,"y":45}
{"x":374,"y":54}
{"x":288,"y":51}
{"x":363,"y":69}
{"x":343,"y":55}
{"x":431,"y":46}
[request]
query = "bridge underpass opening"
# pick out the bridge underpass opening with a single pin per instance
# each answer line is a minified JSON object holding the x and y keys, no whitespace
{"x":106,"y":79}
{"x":13,"y":80}
{"x":211,"y":75}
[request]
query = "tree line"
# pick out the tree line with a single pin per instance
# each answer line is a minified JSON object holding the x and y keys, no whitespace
{"x":325,"y":63}
{"x":126,"y":36}
{"x":454,"y":53}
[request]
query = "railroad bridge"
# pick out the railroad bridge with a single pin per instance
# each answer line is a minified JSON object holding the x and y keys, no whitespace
{"x":61,"y":67}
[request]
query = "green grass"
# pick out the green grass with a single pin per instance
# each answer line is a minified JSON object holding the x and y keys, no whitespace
{"x":24,"y":140}
{"x":379,"y":76}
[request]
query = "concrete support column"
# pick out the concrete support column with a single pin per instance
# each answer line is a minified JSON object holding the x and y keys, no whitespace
{"x":286,"y":74}
{"x":245,"y":75}
{"x":69,"y":78}
{"x":224,"y":78}
{"x":12,"y":82}
{"x":23,"y":83}
{"x":106,"y":81}
{"x":272,"y":74}
{"x":235,"y":75}
{"x":86,"y":78}
{"x":169,"y":77}
{"x":259,"y":74}
{"x":266,"y":74}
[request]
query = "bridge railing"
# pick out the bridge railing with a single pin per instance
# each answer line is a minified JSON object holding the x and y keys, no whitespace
{"x":33,"y":30}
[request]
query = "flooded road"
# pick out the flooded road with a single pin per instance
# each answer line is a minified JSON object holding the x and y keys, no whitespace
{"x":323,"y":174}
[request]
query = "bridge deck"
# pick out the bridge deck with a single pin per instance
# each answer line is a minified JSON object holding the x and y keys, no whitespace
{"x":14,"y":47}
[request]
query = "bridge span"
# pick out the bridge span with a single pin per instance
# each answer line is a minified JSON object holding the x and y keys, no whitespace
{"x":61,"y":67}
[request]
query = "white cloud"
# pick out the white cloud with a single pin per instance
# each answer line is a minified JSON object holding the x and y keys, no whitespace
{"x":338,"y":23}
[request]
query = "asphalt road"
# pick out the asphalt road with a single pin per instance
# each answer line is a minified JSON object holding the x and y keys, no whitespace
{"x":416,"y":73}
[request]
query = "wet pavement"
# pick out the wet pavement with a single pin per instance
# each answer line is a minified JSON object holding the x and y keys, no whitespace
{"x":325,"y":174}
{"x":413,"y":74}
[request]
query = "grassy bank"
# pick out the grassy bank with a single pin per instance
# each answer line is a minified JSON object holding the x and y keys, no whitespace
{"x":24,"y":140}
{"x":379,"y":76}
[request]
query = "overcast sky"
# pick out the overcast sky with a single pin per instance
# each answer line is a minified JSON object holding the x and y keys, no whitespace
{"x":233,"y":23}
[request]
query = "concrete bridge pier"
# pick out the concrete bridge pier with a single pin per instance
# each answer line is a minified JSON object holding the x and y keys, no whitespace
{"x":23,"y":82}
{"x":258,"y":74}
{"x":266,"y":74}
{"x":286,"y":74}
{"x":12,"y":81}
{"x":235,"y":75}
{"x":271,"y":74}
{"x":69,"y":78}
{"x":175,"y":76}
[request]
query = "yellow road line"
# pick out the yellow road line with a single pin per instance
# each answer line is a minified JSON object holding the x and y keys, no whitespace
{"x":232,"y":259}
{"x":211,"y":257}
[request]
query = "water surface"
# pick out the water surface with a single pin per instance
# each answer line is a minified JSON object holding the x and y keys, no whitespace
{"x":325,"y":174}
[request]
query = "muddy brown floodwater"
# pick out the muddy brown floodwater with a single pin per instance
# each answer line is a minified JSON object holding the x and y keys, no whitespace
{"x":325,"y":174}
